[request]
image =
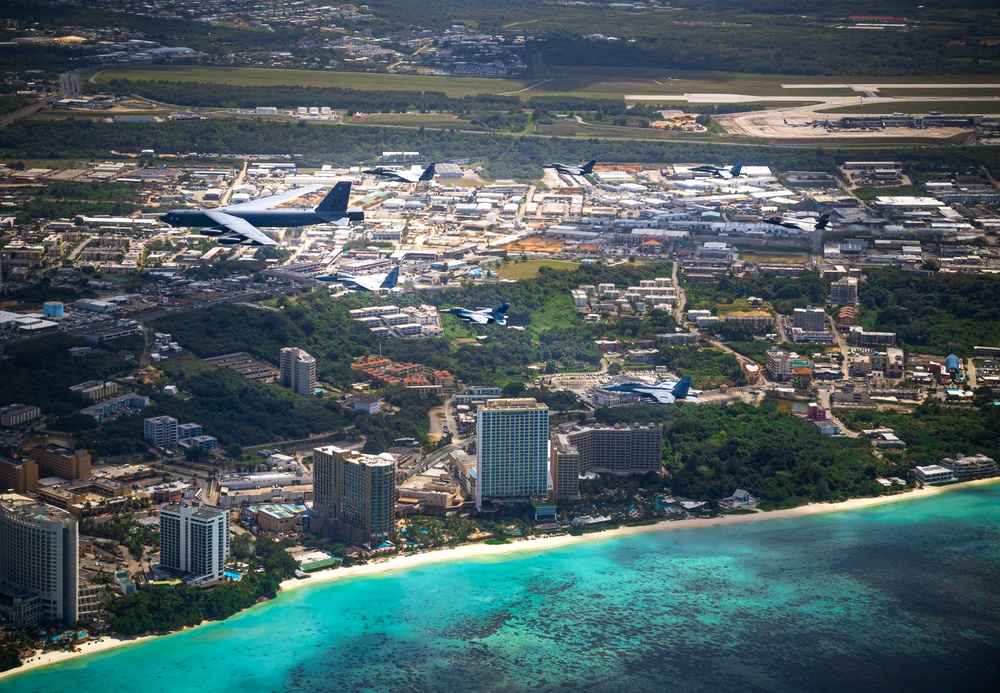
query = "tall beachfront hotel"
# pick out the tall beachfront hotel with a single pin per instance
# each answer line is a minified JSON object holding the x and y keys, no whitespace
{"x":512,"y":448}
{"x":39,"y":562}
{"x":356,"y":494}
{"x":194,"y":539}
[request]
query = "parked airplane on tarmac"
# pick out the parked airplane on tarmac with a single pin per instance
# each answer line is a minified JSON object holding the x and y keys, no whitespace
{"x":368,"y":282}
{"x":801,"y":224}
{"x":482,"y":316}
{"x":663,"y":392}
{"x":235,"y":224}
{"x":801,"y":123}
{"x":720,"y":171}
{"x":569,"y":170}
{"x":404,"y":175}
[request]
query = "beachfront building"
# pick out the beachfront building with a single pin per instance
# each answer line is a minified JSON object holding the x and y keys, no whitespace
{"x":970,"y":466}
{"x":934,"y":474}
{"x":512,"y":447}
{"x":194,"y":539}
{"x":355,"y":495}
{"x":618,"y":449}
{"x":39,"y":564}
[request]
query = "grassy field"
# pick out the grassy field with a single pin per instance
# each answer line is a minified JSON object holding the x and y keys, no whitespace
{"x":584,"y":81}
{"x":529,"y":268}
{"x":775,"y":256}
{"x":251,"y":77}
{"x":740,"y":305}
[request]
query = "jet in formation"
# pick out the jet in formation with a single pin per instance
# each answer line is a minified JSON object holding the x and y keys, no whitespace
{"x":569,"y":170}
{"x":234,"y":224}
{"x":720,"y":171}
{"x":368,"y":282}
{"x":482,"y":316}
{"x":406,"y":176}
{"x":663,"y":392}
{"x":800,"y":224}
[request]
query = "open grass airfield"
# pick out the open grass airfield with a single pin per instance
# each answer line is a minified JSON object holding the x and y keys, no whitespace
{"x":795,"y":98}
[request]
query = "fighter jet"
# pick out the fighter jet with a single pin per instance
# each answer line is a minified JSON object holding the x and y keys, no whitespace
{"x":568,"y":170}
{"x":481,"y":316}
{"x":235,"y":224}
{"x":663,"y":392}
{"x":800,"y":224}
{"x":368,"y":282}
{"x":719,"y":171}
{"x":406,"y":176}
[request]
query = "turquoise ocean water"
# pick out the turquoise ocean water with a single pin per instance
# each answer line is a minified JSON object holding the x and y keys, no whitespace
{"x":904,"y":596}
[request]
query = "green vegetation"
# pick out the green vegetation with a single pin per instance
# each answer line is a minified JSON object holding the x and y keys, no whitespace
{"x":27,"y":375}
{"x":711,"y":450}
{"x":125,"y":530}
{"x":868,"y":193}
{"x":708,"y":368}
{"x":928,"y":312}
{"x":784,"y":293}
{"x":161,"y":610}
{"x":932,"y":432}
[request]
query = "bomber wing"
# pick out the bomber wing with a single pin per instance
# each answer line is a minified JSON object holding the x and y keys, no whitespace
{"x":273,"y":200}
{"x":240,"y":227}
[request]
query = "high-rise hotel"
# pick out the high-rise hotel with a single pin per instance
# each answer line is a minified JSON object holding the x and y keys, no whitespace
{"x":39,"y":562}
{"x":512,"y":449}
{"x":356,"y":494}
{"x":195,"y":540}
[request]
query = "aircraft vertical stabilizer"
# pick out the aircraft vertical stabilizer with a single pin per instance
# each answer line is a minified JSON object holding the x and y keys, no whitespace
{"x":336,"y":200}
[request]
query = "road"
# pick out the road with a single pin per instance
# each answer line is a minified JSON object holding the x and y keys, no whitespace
{"x":435,"y":457}
{"x":681,"y":295}
{"x":224,"y":200}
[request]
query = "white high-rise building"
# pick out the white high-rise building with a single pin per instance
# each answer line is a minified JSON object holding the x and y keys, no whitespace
{"x":39,"y":562}
{"x":810,"y":319}
{"x":298,"y":371}
{"x":512,"y":448}
{"x":161,"y":431}
{"x":195,"y":540}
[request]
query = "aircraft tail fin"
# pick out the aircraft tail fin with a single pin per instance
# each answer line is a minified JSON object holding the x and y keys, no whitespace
{"x":336,"y":200}
{"x":589,"y":167}
{"x":735,"y":170}
{"x":785,"y":120}
{"x":823,"y":222}
{"x":428,"y":173}
{"x":502,"y":310}
{"x":682,"y":387}
{"x":390,"y":279}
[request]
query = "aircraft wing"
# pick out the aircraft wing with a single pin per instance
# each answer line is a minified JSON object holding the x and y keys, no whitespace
{"x":273,"y":200}
{"x":240,"y":227}
{"x":372,"y":282}
{"x":661,"y":395}
{"x":479,"y":318}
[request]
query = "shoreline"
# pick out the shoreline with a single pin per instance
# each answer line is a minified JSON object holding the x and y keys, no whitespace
{"x":108,"y":642}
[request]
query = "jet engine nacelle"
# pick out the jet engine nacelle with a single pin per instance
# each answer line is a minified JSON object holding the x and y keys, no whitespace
{"x":229,"y":240}
{"x":211,"y":231}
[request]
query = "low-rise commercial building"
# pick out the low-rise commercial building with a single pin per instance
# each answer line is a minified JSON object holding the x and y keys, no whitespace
{"x":18,"y":414}
{"x":934,"y":474}
{"x":55,"y":460}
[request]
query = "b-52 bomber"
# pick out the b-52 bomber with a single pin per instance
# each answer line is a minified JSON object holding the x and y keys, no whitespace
{"x":482,"y":316}
{"x":406,"y":176}
{"x":800,"y":224}
{"x":235,"y":224}
{"x":720,"y":171}
{"x":570,"y":170}
{"x":368,"y":282}
{"x":663,"y":392}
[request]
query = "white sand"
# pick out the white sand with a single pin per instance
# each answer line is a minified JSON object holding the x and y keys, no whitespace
{"x":40,"y":659}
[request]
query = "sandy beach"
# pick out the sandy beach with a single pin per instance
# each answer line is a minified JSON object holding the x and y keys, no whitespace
{"x":471,"y":551}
